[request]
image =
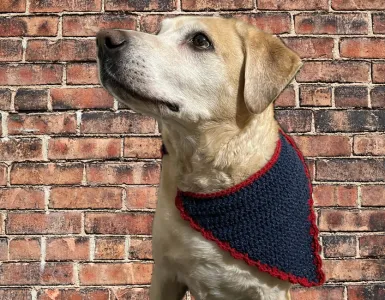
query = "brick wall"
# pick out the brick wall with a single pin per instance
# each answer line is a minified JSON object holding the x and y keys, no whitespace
{"x":78,"y":172}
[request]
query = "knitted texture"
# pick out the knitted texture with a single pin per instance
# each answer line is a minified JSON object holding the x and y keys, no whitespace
{"x":267,"y":220}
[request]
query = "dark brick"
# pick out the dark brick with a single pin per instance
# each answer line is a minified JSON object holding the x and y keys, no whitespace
{"x":5,"y":99}
{"x":10,"y":50}
{"x":366,"y":292}
{"x":31,"y":99}
{"x":141,"y":5}
{"x":294,"y":120}
{"x":315,"y":95}
{"x":351,"y":96}
{"x":377,"y":95}
{"x":339,"y":246}
{"x":372,"y":245}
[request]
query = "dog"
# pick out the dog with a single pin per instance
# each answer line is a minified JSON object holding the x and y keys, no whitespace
{"x":210,"y":82}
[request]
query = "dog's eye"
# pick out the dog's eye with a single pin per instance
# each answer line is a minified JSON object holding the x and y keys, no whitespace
{"x":201,"y":41}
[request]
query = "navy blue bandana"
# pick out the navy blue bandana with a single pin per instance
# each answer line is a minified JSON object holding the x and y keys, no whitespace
{"x":267,"y":220}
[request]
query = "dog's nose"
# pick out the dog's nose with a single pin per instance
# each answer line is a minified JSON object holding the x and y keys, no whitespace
{"x":111,"y":39}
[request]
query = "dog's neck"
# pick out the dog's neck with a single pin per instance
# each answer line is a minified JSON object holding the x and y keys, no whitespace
{"x":217,"y":155}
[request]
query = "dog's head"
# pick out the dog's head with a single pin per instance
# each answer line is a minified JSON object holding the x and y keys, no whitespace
{"x":195,"y":69}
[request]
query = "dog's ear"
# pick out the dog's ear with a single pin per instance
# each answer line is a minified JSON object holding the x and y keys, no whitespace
{"x":269,"y":68}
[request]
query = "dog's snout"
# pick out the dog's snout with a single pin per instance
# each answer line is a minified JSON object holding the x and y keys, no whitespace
{"x":111,"y":39}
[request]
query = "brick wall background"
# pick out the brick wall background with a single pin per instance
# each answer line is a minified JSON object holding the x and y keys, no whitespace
{"x":78,"y":172}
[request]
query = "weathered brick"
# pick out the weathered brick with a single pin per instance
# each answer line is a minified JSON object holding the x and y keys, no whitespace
{"x":311,"y":47}
{"x":378,"y":23}
{"x":31,"y":99}
{"x":84,"y":73}
{"x":115,"y":273}
{"x":362,"y":48}
{"x":25,"y":124}
{"x":24,"y":249}
{"x":132,"y":5}
{"x":72,"y":294}
{"x":89,"y":25}
{"x":68,"y":248}
{"x":323,"y":145}
{"x":293,"y":5}
{"x":140,"y":248}
{"x":123,"y":173}
{"x":46,"y":173}
{"x":142,"y":147}
{"x":357,"y":4}
{"x":360,"y":170}
{"x":116,"y":122}
{"x":132,"y":294}
{"x":319,"y":23}
{"x":2,"y":223}
{"x":141,"y":197}
{"x":349,"y":120}
{"x":377,"y":95}
{"x":13,"y":5}
{"x":21,"y":198}
{"x":29,"y":26}
{"x":378,"y":72}
{"x":372,"y":245}
{"x":335,"y":195}
{"x":5,"y":99}
{"x":110,"y":248}
{"x":275,"y":23}
{"x":315,"y":95}
{"x":373,"y":144}
{"x":66,"y":5}
{"x":32,"y":273}
{"x":294,"y":120}
{"x":84,"y":148}
{"x":339,"y":246}
{"x":61,"y":50}
{"x":373,"y":195}
{"x":21,"y":149}
{"x":366,"y":292}
{"x":351,"y":220}
{"x":286,"y":98}
{"x":15,"y":293}
{"x":317,"y":293}
{"x":71,"y":98}
{"x":85,"y":197}
{"x":151,"y":23}
{"x":29,"y":74}
{"x":334,"y":71}
{"x":3,"y":176}
{"x":3,"y":249}
{"x":351,"y":96}
{"x":10,"y":50}
{"x":198,"y":5}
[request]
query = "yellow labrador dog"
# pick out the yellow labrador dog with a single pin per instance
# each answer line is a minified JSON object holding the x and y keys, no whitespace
{"x":210,"y":82}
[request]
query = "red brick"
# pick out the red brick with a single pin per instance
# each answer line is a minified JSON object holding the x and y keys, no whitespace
{"x":142,"y":147}
{"x":294,"y":120}
{"x":351,"y":96}
{"x":373,"y":144}
{"x":123,"y":173}
{"x":12,"y":6}
{"x":68,"y":248}
{"x":339,"y":246}
{"x":24,"y":249}
{"x":132,"y":294}
{"x":61,"y":50}
{"x":317,"y":293}
{"x":351,"y":220}
{"x":357,"y":4}
{"x":31,"y":99}
{"x":323,"y":145}
{"x":5,"y":99}
{"x":354,"y":270}
{"x":275,"y":23}
{"x":85,"y":73}
{"x":21,"y":198}
{"x":3,"y":176}
{"x":153,"y":5}
{"x":32,"y":273}
{"x":110,"y":248}
{"x":373,"y":195}
{"x":311,"y":47}
{"x":89,"y":25}
{"x":10,"y":50}
{"x":379,"y":23}
{"x":318,"y":23}
{"x":372,"y":245}
{"x":151,"y":23}
{"x":2,"y":224}
{"x":118,"y":223}
{"x":141,"y":197}
{"x":41,"y":223}
{"x":286,"y":98}
{"x":71,"y":294}
{"x":315,"y":95}
{"x":140,"y":248}
{"x":15,"y":293}
{"x":115,"y":273}
{"x":28,"y":74}
{"x":25,"y":124}
{"x":334,"y":71}
{"x":366,"y":292}
{"x":60,"y":5}
{"x":3,"y":249}
{"x":362,"y":48}
{"x":335,"y":195}
{"x":293,"y":5}
{"x":378,"y":97}
{"x":29,"y":26}
{"x":378,"y":72}
{"x":46,"y":173}
{"x":198,"y":5}
{"x":84,"y":148}
{"x":116,"y":122}
{"x":21,"y":149}
{"x":71,"y":98}
{"x":85,"y":197}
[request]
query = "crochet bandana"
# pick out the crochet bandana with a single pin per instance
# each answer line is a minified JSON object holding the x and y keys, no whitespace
{"x":267,"y":220}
